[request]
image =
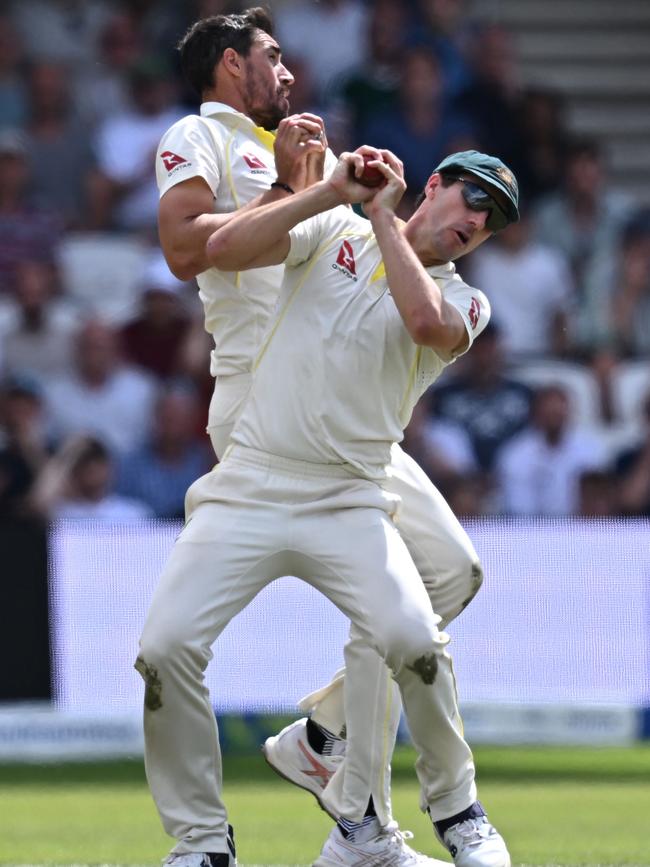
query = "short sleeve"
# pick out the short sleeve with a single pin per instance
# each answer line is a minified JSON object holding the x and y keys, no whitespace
{"x":306,"y":237}
{"x":189,"y":149}
{"x":472,"y":305}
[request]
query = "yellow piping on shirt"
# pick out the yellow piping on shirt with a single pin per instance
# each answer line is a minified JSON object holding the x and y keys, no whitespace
{"x":233,"y":189}
{"x":317,"y":255}
{"x":411,"y":380}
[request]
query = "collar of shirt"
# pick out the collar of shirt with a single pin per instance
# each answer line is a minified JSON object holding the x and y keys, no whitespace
{"x":214,"y":109}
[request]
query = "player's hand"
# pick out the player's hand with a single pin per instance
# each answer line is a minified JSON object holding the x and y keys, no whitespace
{"x":300,"y":144}
{"x":388,"y":195}
{"x":349,"y":167}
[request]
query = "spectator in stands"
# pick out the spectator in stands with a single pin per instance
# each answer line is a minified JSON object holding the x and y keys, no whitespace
{"x":422,"y":127}
{"x":630,"y":298}
{"x":155,"y":338}
{"x":36,"y":326}
{"x":65,"y":31}
{"x":493,"y":97}
{"x":442,"y":448}
{"x":538,"y":471}
{"x":77,"y":483}
{"x":24,"y":444}
{"x":338,"y":28}
{"x":530,"y":289}
{"x":160,"y":472}
{"x":545,"y":141}
{"x":104,"y":90}
{"x":482,"y":400}
{"x":598,"y":494}
{"x":27,"y":230}
{"x":632,"y":469}
{"x":440,"y":25}
{"x":372,"y":89}
{"x":124,"y":191}
{"x":58,"y":144}
{"x":585,"y":221}
{"x":469,"y":496}
{"x":102,"y":396}
{"x":13,"y":93}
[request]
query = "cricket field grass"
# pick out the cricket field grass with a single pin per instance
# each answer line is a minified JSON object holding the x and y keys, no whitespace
{"x":555,"y":806}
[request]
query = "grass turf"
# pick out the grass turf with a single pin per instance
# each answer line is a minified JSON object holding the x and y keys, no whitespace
{"x":565,"y":807}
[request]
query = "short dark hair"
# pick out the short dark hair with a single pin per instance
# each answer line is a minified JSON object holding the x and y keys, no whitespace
{"x":203,"y":45}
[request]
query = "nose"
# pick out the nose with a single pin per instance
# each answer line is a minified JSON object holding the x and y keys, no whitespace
{"x":478,"y":219}
{"x":285,"y":76}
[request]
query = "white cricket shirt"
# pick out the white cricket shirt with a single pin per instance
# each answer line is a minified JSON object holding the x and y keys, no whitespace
{"x":338,"y":374}
{"x":235,"y":158}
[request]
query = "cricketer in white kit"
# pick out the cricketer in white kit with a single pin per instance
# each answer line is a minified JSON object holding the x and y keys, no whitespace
{"x":301,"y":489}
{"x":222,"y":160}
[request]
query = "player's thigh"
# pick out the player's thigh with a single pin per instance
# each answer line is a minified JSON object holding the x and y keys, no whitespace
{"x":359,"y":560}
{"x":441,"y":549}
{"x":224,"y":556}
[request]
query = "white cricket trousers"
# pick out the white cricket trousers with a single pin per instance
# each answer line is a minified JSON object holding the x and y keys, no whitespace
{"x":254,"y":519}
{"x":370,"y":708}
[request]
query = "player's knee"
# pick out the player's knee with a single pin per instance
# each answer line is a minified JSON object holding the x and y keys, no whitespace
{"x":415,"y":645}
{"x":462,"y":583}
{"x":162,"y":648}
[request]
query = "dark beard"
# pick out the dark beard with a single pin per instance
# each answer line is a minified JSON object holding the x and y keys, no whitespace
{"x":269,"y":117}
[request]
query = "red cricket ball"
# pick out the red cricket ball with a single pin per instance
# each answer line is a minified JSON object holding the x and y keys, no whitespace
{"x":371,"y":176}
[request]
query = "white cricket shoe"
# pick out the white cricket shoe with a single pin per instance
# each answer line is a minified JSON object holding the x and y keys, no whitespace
{"x":476,"y":843}
{"x":200,"y":859}
{"x":205,"y":859}
{"x":387,"y":849}
{"x":290,"y":755}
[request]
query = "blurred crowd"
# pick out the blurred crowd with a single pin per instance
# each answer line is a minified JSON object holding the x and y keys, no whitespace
{"x":104,"y":379}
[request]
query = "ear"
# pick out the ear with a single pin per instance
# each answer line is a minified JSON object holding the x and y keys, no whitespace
{"x":232,"y":62}
{"x":432,"y":185}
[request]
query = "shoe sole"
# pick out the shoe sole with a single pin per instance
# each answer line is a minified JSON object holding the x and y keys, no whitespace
{"x":296,"y":781}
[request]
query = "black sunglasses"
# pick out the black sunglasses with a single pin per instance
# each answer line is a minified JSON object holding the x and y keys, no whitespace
{"x":478,"y":199}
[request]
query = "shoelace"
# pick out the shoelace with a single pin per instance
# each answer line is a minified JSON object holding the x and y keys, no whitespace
{"x":397,"y":841}
{"x":470,"y":831}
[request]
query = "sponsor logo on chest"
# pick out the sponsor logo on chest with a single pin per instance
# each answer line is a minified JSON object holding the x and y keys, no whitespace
{"x":255,"y":164}
{"x":345,"y":262}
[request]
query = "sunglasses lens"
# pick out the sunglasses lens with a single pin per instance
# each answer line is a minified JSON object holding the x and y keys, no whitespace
{"x":478,"y":199}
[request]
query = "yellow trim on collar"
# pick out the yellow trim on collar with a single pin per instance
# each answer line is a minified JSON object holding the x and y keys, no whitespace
{"x":266,"y":138}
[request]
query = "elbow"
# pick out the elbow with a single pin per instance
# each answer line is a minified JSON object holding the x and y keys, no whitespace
{"x":183,"y":266}
{"x":218,"y":254}
{"x":423,"y":328}
{"x":426,"y":329}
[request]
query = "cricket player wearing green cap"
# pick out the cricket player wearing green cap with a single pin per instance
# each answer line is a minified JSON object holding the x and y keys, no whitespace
{"x":369,"y":316}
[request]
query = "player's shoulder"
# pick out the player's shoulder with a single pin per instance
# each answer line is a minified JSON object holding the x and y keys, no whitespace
{"x":191,"y":123}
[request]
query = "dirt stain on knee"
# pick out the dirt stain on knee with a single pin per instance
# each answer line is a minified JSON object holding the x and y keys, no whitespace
{"x":153,"y":686}
{"x":477,"y":580}
{"x":426,"y":667}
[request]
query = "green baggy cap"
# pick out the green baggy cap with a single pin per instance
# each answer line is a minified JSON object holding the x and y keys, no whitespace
{"x":490,"y":169}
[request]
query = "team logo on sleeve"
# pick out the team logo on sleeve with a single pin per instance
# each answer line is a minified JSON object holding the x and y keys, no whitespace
{"x":474,"y":312}
{"x":255,"y":163}
{"x":345,"y":261}
{"x":171,"y":160}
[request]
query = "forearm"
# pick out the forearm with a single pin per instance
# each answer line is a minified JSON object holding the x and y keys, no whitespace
{"x":429,"y":319}
{"x":251,"y":234}
{"x":184,"y":240}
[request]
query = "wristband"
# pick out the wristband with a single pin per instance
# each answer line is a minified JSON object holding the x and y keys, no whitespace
{"x":284,"y":187}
